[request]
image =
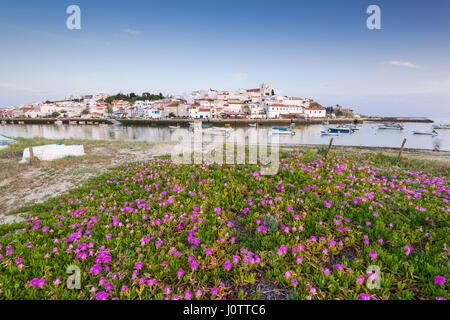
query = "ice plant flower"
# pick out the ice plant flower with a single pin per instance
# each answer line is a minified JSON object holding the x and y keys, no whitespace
{"x":439,"y":279}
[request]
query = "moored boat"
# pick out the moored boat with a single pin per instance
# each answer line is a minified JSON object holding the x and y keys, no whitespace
{"x":283,"y":132}
{"x":441,"y":126}
{"x":432,"y":133}
{"x":174,"y":127}
{"x":393,"y":126}
{"x":328,"y":133}
{"x":279,"y":128}
{"x":340,"y":130}
{"x":221,"y":129}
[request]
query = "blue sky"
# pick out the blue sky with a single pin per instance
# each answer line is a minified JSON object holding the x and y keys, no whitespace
{"x":317,"y":49}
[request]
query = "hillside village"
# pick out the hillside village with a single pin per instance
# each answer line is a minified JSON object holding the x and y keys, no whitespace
{"x":256,"y":103}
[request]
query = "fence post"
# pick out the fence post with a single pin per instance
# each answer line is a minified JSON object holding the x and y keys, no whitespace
{"x":32,"y":157}
{"x":401,"y":149}
{"x":329,"y":146}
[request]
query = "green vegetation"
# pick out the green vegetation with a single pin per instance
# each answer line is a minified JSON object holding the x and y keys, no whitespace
{"x":162,"y":230}
{"x":132,"y":97}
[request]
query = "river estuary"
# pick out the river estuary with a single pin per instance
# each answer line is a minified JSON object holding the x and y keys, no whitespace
{"x":369,"y":135}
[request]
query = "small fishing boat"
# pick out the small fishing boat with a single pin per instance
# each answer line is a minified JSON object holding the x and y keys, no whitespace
{"x":206,"y":125}
{"x":252,"y":125}
{"x":325,"y":123}
{"x":4,"y":141}
{"x":279,"y":128}
{"x":221,"y":129}
{"x":283,"y":132}
{"x":432,"y":133}
{"x":393,"y":126}
{"x":441,"y":126}
{"x":216,"y":132}
{"x":327,"y":133}
{"x":174,"y":127}
{"x":340,"y":130}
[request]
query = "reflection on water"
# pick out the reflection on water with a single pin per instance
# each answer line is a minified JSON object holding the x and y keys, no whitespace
{"x":368,"y":135}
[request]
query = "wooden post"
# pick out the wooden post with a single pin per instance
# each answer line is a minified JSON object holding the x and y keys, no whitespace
{"x":329,"y":146}
{"x":32,"y":157}
{"x":401,"y":149}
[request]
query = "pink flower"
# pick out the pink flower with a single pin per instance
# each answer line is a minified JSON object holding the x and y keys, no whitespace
{"x":299,"y":259}
{"x":364,"y":296}
{"x":37,"y":282}
{"x":227,"y":265}
{"x":407,"y":249}
{"x":96,"y":269}
{"x":101,"y":295}
{"x":124,"y":288}
{"x":373,"y":254}
{"x":294,"y":282}
{"x":198,"y":293}
{"x":188,"y":295}
{"x":214,"y":290}
{"x":138,"y":265}
{"x":57,"y":281}
{"x":360,"y":279}
{"x":180,"y":273}
{"x":439,"y":279}
{"x":208,"y":251}
{"x":235,"y":259}
{"x":109,"y":286}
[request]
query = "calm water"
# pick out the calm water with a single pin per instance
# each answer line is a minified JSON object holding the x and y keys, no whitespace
{"x":368,"y":135}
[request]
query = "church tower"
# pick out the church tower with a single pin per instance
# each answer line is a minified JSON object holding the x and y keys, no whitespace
{"x":265,"y":90}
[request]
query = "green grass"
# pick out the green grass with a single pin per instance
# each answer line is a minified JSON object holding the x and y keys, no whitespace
{"x":285,"y":230}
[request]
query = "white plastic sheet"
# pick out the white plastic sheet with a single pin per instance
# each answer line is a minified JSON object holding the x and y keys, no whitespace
{"x":53,"y":151}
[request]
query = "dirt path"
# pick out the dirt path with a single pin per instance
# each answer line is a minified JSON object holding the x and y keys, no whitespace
{"x":25,"y":184}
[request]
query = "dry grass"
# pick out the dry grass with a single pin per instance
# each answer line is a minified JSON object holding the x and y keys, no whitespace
{"x":28,"y":184}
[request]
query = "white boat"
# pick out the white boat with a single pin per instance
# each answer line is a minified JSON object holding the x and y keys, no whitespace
{"x":4,"y":141}
{"x":53,"y":151}
{"x":283,"y":132}
{"x":253,"y":125}
{"x":216,"y":132}
{"x":174,"y":127}
{"x":441,"y":126}
{"x":389,"y":127}
{"x":432,"y":133}
{"x":221,"y":129}
{"x":392,"y":126}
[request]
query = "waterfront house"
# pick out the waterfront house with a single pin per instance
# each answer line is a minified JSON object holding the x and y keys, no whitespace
{"x":315,"y":112}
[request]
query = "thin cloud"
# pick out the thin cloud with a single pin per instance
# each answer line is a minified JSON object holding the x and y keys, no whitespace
{"x":405,"y":64}
{"x":131,"y":31}
{"x":13,"y":87}
{"x":240,"y":76}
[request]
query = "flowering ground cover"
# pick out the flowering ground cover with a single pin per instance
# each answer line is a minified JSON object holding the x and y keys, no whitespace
{"x":322,"y":228}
